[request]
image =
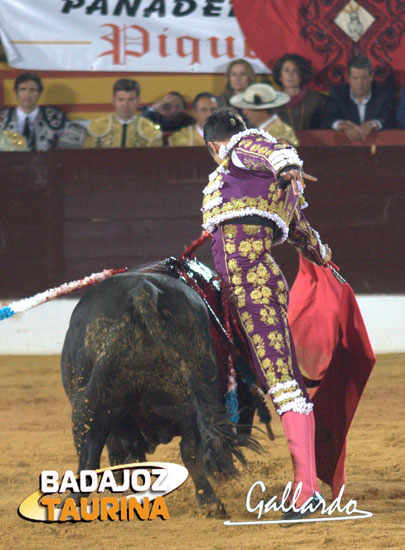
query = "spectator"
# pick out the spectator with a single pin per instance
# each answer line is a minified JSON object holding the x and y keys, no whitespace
{"x":170,"y":113}
{"x":204,"y":105}
{"x":258,"y":103}
{"x":360,"y":106}
{"x":239,"y":75}
{"x":401,"y":109}
{"x":124,"y":128}
{"x":304,"y":111}
{"x":41,"y":126}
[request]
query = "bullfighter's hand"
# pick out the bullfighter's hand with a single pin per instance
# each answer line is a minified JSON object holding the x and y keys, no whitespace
{"x":296,"y":178}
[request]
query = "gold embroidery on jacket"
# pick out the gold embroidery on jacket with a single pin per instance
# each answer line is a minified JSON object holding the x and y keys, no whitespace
{"x":273,"y":352}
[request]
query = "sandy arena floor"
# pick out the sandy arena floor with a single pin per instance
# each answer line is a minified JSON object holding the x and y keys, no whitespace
{"x":36,"y":435}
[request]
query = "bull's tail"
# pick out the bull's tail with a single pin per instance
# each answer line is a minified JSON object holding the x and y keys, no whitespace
{"x":219,"y":439}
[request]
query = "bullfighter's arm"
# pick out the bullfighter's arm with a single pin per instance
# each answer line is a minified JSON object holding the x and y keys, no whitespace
{"x":280,"y":159}
{"x":306,"y":240}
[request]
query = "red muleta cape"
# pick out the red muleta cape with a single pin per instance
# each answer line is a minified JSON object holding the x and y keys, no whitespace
{"x":332,"y":347}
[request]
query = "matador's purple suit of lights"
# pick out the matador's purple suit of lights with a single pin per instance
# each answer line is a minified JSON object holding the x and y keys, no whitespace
{"x":242,"y":210}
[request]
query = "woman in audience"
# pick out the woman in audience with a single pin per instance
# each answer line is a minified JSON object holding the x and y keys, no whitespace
{"x":304,"y":111}
{"x":239,"y":75}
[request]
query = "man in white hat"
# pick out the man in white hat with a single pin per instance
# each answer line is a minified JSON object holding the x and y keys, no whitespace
{"x":257,"y":103}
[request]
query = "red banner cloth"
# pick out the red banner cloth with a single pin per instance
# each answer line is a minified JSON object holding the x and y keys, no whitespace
{"x":332,"y":346}
{"x":328,"y":33}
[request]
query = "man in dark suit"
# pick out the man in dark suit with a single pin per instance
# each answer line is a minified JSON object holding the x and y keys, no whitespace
{"x":361,"y":106}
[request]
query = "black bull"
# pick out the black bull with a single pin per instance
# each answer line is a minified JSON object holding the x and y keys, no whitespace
{"x":139,"y":367}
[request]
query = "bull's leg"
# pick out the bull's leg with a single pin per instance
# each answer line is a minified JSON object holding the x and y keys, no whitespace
{"x":126,"y":447}
{"x":90,"y":432}
{"x":126,"y":444}
{"x":91,"y":427}
{"x":247,"y":409}
{"x":193,"y":461}
{"x":117,"y":453}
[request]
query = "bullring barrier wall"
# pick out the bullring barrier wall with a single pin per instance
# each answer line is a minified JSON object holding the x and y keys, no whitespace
{"x":67,"y":214}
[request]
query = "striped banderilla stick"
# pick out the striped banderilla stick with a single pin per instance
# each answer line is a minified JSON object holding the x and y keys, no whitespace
{"x":66,"y":288}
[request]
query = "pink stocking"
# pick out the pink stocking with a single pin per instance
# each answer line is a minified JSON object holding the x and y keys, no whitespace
{"x":300,"y":433}
{"x":312,"y":450}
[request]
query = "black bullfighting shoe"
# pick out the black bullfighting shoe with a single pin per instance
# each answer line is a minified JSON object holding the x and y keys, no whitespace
{"x":292,"y":517}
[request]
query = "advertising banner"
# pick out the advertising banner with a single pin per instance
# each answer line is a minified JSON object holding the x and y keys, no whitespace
{"x":199,"y":36}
